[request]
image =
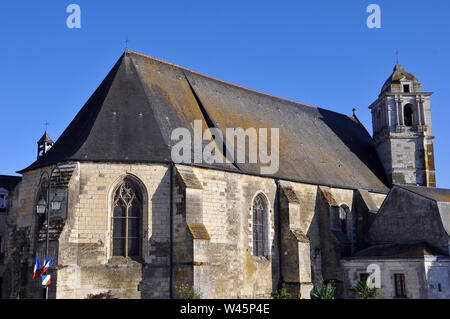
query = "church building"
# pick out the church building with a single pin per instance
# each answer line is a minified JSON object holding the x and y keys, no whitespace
{"x":137,"y":224}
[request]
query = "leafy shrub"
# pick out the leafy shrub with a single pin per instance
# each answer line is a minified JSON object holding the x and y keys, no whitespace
{"x":323,"y":291}
{"x":364,"y":291}
{"x":281,"y":294}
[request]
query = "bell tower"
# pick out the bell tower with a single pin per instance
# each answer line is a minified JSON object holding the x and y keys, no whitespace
{"x":402,"y":131}
{"x":44,"y":144}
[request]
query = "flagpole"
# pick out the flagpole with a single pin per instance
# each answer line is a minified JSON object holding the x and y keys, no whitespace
{"x":48,"y":225}
{"x":55,"y":202}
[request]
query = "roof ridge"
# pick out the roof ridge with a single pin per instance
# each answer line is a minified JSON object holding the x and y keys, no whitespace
{"x":416,"y":190}
{"x":412,"y":191}
{"x":424,"y":187}
{"x":224,"y":81}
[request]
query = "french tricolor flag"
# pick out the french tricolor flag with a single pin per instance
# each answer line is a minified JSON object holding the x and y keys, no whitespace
{"x":47,"y":265}
{"x":46,"y":280}
{"x":45,"y":262}
{"x":37,"y":265}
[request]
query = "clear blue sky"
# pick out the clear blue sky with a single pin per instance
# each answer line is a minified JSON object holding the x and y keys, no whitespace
{"x":316,"y":52}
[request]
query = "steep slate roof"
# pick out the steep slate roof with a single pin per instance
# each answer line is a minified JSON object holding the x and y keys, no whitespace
{"x":131,"y":116}
{"x":437,"y":194}
{"x":9,"y":182}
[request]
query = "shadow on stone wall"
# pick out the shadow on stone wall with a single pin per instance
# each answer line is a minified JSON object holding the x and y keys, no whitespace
{"x":155,"y":281}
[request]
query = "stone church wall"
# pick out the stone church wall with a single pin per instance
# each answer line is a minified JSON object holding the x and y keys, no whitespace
{"x":227,"y":208}
{"x":212,"y":235}
{"x":88,"y":266}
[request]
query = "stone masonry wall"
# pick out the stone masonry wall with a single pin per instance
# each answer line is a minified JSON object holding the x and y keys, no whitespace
{"x":85,"y":265}
{"x":227,"y":209}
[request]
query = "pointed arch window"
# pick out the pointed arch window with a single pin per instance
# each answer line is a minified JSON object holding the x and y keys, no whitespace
{"x":127,"y":220}
{"x":260,"y":234}
{"x":408,"y":114}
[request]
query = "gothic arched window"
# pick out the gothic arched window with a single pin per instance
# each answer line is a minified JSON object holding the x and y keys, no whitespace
{"x":127,"y":216}
{"x":260,"y":222}
{"x":408,"y":114}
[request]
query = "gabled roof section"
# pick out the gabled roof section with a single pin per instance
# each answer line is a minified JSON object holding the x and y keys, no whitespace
{"x":439,"y":197}
{"x":436,"y":194}
{"x":131,"y":116}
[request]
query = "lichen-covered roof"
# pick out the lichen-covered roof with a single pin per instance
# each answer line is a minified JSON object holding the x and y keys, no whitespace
{"x":398,"y":74}
{"x":131,"y":116}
